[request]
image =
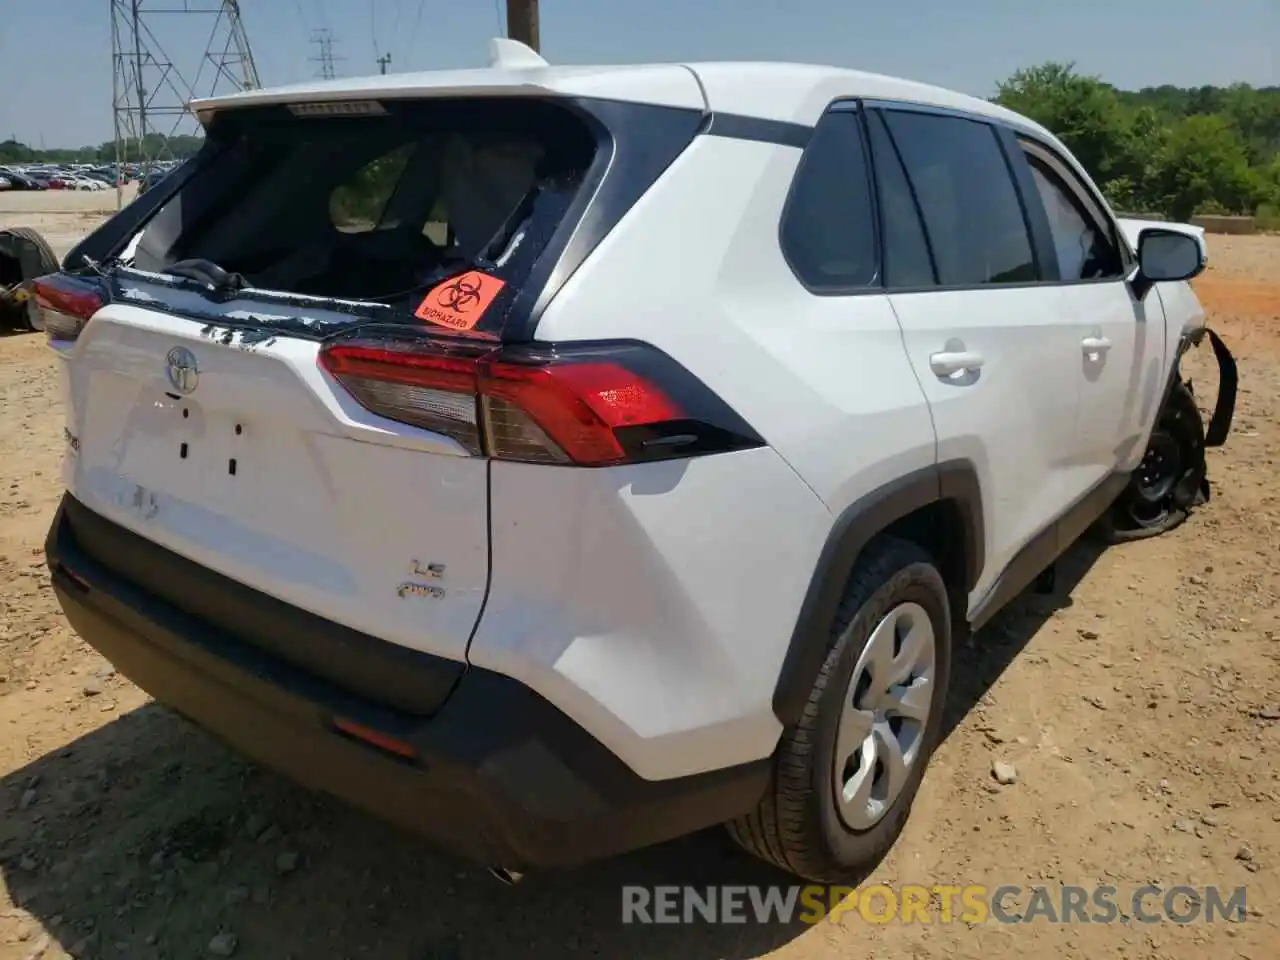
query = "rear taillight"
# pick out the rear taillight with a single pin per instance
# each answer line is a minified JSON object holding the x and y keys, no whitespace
{"x":585,"y":405}
{"x":66,"y":304}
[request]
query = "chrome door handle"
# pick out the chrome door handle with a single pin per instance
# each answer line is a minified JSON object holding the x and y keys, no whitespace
{"x":950,"y":362}
{"x":1095,"y":344}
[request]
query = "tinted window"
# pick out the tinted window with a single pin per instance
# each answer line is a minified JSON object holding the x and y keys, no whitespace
{"x":906,"y":252}
{"x":1083,"y":251}
{"x":970,"y":206}
{"x":828,"y":233}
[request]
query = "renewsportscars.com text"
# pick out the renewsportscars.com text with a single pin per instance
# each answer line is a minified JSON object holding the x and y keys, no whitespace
{"x":937,"y":903}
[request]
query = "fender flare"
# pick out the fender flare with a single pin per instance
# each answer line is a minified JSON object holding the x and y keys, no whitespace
{"x":1215,"y":434}
{"x":856,"y":526}
{"x":1219,"y":425}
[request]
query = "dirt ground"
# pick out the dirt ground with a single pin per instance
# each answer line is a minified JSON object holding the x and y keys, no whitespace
{"x":1140,"y":705}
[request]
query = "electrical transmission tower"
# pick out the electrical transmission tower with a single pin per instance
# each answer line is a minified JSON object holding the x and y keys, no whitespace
{"x":150,"y":91}
{"x":323,"y":39}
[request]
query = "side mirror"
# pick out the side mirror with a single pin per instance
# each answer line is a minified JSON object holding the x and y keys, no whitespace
{"x":1168,"y":255}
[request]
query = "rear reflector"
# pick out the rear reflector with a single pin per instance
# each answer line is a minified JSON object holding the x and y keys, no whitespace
{"x":593,"y":405}
{"x":67,"y":303}
{"x":375,"y":738}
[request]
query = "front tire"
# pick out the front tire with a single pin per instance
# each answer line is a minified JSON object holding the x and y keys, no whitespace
{"x":846,"y":774}
{"x":1170,"y":480}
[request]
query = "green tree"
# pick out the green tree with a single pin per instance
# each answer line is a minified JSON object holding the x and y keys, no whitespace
{"x":1204,"y":163}
{"x":1083,"y":112}
{"x":157,"y":147}
{"x":1161,"y":149}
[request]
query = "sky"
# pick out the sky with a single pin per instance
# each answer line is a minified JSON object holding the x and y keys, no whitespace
{"x":56,"y":66}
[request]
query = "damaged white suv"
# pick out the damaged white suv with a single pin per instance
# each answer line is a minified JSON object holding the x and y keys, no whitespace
{"x":560,"y":460}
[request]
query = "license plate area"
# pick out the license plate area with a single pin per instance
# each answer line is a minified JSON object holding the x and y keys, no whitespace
{"x":212,"y":441}
{"x":208,"y":453}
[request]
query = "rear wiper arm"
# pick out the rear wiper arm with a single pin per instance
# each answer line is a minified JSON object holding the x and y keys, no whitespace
{"x":209,"y":274}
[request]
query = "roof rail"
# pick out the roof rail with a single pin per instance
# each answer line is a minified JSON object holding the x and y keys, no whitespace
{"x":507,"y":54}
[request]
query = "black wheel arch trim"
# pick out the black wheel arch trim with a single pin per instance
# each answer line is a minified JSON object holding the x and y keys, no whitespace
{"x":1219,"y":426}
{"x":1215,"y":435}
{"x":857,"y":525}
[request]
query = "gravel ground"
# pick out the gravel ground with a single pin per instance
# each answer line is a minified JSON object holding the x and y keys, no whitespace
{"x":1139,"y":706}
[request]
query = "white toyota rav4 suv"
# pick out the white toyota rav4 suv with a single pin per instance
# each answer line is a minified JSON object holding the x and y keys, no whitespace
{"x":561,"y":460}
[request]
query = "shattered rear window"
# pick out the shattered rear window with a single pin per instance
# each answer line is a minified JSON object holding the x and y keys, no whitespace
{"x":377,"y":209}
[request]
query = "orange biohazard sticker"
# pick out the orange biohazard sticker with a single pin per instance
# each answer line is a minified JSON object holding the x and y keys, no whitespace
{"x":461,"y":301}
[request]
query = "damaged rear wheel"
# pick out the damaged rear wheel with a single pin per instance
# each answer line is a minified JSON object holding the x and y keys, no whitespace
{"x":1170,"y":480}
{"x":24,"y":255}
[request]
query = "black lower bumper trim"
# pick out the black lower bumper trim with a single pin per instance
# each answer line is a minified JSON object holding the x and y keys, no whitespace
{"x":500,"y":774}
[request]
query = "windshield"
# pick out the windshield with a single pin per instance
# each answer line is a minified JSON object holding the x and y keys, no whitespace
{"x":374,"y":208}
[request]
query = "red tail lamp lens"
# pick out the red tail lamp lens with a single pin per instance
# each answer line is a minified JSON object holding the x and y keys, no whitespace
{"x":66,"y":303}
{"x":595,"y":405}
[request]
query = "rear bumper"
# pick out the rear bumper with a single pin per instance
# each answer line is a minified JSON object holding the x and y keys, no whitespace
{"x":497,"y":774}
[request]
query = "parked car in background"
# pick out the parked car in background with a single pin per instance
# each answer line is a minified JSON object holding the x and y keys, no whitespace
{"x":20,"y":179}
{"x":150,"y":179}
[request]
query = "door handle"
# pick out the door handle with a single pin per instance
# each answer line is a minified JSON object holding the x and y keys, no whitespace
{"x":950,"y":362}
{"x":1095,"y":344}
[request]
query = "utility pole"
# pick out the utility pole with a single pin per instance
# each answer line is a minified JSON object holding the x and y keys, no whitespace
{"x":382,"y":63}
{"x":522,"y":22}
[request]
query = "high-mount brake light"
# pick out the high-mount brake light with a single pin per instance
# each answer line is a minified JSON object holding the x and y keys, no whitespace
{"x":67,"y":303}
{"x":339,"y":108}
{"x":584,"y":405}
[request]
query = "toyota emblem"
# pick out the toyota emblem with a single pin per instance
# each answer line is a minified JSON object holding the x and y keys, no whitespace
{"x":183,"y":371}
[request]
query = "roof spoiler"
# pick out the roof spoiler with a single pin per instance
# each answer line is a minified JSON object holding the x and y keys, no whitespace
{"x":507,"y":54}
{"x":504,"y":54}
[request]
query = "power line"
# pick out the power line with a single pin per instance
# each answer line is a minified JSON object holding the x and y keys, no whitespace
{"x":395,"y":26}
{"x":417,"y":22}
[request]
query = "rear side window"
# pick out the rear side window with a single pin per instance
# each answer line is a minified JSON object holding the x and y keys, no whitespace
{"x":828,"y":226}
{"x":906,"y":251}
{"x":967,"y":197}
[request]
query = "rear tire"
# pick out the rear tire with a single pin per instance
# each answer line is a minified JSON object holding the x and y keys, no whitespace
{"x":1170,"y":481}
{"x":813,"y":820}
{"x":38,"y":260}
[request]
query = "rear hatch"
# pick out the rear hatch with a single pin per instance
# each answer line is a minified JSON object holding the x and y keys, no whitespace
{"x":200,"y":415}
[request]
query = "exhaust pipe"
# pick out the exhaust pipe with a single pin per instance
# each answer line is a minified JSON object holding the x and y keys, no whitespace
{"x":508,"y":877}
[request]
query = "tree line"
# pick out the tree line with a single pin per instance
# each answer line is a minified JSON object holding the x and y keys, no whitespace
{"x":1166,"y":150}
{"x":1169,"y":151}
{"x":153,"y":145}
